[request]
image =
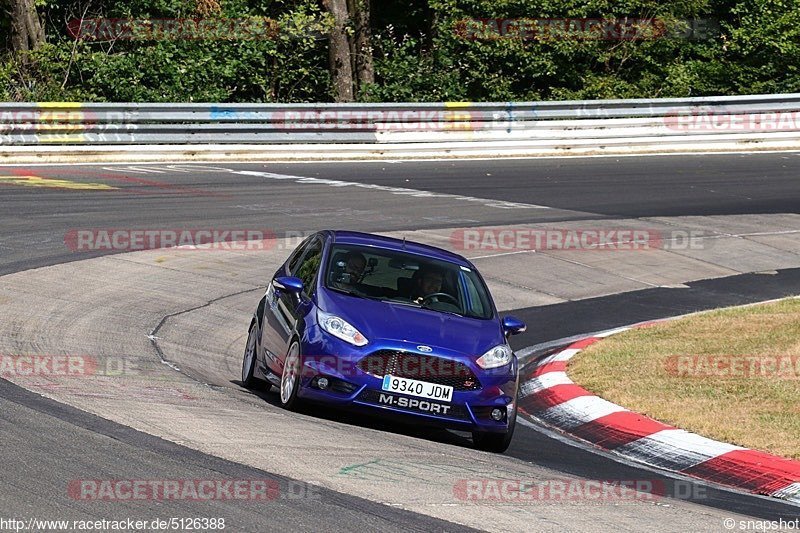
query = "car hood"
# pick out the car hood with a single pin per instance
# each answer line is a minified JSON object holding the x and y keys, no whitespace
{"x":404,"y":323}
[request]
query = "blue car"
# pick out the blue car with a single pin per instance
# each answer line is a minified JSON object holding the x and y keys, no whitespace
{"x":389,"y":327}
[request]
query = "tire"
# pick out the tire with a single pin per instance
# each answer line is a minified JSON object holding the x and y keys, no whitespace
{"x":290,"y":378}
{"x":494,"y":442}
{"x":249,"y":360}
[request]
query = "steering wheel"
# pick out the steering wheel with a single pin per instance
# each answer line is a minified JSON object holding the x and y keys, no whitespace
{"x":443,"y":294}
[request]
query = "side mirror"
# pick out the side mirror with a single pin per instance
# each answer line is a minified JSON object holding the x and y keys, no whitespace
{"x":289,"y":284}
{"x":513,"y":326}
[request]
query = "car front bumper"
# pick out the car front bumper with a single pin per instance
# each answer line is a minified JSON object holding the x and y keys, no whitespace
{"x":350,"y":387}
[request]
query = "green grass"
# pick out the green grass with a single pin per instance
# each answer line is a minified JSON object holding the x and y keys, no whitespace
{"x":761,"y":412}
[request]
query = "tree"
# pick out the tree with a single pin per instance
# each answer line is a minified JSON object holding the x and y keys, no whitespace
{"x":351,"y":63}
{"x":339,"y":51}
{"x":362,"y":43}
{"x":27,"y":32}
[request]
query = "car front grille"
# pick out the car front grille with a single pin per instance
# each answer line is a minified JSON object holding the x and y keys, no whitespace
{"x":420,"y":367}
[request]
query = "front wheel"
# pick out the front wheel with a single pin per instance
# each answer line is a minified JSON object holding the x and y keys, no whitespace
{"x":290,"y":378}
{"x":494,"y":442}
{"x":249,"y":360}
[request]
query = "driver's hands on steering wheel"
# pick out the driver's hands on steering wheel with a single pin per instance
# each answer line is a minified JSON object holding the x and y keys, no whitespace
{"x":437,"y":295}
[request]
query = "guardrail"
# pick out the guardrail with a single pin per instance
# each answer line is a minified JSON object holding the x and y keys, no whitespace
{"x":581,"y":126}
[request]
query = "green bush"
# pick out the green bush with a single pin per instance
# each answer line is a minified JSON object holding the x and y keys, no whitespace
{"x":419,"y":54}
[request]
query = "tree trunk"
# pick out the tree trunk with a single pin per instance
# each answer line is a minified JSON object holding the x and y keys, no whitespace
{"x":364,"y":66}
{"x":26,"y":28}
{"x":339,"y":51}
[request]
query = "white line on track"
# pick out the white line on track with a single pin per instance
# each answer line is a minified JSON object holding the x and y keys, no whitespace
{"x":502,"y":254}
{"x":404,"y":191}
{"x":416,"y":193}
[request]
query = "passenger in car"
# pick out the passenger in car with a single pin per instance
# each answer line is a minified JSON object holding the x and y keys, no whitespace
{"x":354,"y":265}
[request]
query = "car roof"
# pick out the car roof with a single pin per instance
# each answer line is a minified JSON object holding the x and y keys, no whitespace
{"x":368,"y":239}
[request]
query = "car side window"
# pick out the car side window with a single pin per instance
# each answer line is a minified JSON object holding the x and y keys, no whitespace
{"x":294,"y":260}
{"x":476,"y":305}
{"x":309,"y":266}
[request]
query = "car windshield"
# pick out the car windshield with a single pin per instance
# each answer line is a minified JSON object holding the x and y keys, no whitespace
{"x":408,"y":279}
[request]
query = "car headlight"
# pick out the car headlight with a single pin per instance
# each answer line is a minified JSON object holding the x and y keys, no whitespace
{"x":498,"y":356}
{"x":340,"y":329}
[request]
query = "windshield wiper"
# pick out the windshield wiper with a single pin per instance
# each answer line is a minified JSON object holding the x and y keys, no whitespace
{"x":402,"y":302}
{"x":355,"y":293}
{"x":447,"y":312}
{"x":345,"y":291}
{"x":439,"y":310}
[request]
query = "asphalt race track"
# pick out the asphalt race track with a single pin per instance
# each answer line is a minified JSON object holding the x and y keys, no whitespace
{"x":577,"y":189}
{"x":750,"y":200}
{"x":48,"y":443}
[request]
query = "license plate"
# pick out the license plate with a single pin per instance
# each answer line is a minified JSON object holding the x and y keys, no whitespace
{"x":421,"y":389}
{"x":417,"y":404}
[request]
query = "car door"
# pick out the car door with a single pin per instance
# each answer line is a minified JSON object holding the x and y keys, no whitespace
{"x":273,"y":336}
{"x":283,"y":309}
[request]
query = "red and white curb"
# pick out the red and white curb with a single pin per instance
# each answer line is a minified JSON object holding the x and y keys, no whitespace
{"x":549,"y":396}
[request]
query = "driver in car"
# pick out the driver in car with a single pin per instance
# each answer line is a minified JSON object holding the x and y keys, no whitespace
{"x":428,"y":282}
